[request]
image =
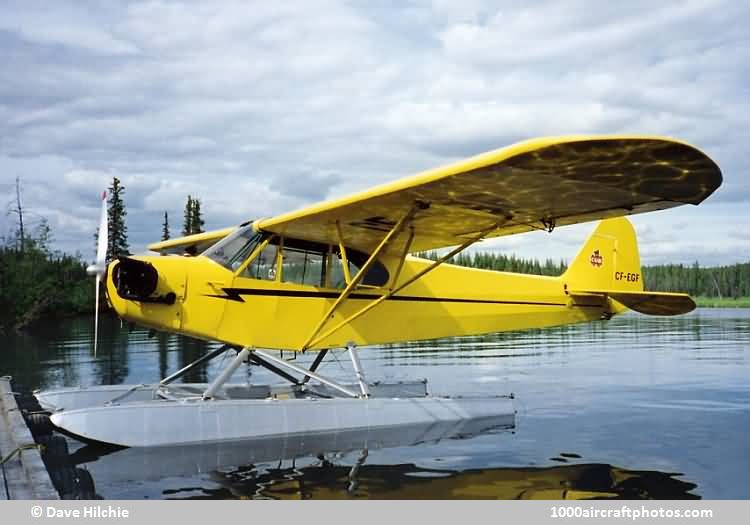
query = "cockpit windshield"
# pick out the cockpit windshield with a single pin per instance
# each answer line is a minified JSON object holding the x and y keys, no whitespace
{"x":231,"y":251}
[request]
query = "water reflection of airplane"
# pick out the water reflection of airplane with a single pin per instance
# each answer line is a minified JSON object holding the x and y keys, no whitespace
{"x":408,"y":481}
{"x":340,"y":274}
{"x":314,"y":467}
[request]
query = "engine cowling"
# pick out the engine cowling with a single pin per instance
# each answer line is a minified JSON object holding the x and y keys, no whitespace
{"x":137,"y":280}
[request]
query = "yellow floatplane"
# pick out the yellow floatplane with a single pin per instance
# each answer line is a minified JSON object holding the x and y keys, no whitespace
{"x":341,"y":274}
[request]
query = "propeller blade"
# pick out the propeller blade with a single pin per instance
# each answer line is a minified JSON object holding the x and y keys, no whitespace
{"x":100,"y":265}
{"x":96,"y":313}
{"x":101,"y":247}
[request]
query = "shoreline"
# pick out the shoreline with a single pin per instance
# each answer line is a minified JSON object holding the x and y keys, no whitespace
{"x":724,"y":302}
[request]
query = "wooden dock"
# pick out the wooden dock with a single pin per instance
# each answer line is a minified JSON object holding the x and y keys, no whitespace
{"x":23,"y":474}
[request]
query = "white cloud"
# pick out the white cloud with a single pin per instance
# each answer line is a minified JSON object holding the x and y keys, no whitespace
{"x":235,"y":103}
{"x":69,"y":25}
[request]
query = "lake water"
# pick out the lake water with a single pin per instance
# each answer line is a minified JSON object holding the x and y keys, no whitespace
{"x":632,"y":407}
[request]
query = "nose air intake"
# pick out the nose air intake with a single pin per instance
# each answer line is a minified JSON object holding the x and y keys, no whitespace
{"x":137,"y":280}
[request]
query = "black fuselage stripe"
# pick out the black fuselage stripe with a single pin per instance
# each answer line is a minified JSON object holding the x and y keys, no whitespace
{"x":235,"y":293}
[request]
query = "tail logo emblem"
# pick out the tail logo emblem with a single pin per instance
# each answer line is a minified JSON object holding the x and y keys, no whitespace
{"x":596,"y":259}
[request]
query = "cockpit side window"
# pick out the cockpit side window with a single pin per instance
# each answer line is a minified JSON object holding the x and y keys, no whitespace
{"x":265,"y":264}
{"x":302,"y":262}
{"x":305,"y":262}
{"x":376,"y":276}
{"x":304,"y":266}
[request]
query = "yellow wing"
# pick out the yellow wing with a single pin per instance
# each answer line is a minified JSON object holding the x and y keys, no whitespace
{"x":190,"y":244}
{"x":531,"y":185}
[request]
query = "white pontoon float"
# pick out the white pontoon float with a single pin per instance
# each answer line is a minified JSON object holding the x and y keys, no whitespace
{"x":167,"y":414}
{"x":151,"y":463}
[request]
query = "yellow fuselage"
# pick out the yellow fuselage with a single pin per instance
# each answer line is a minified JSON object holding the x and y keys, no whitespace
{"x":214,"y":303}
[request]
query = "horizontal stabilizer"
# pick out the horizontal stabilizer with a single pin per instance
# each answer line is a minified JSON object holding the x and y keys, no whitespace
{"x":651,"y":303}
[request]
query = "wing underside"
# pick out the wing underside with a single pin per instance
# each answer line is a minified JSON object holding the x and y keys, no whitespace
{"x":533,"y":185}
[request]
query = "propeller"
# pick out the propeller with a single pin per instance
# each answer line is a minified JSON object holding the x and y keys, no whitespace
{"x":100,"y":265}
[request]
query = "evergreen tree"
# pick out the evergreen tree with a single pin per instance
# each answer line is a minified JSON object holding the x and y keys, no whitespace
{"x":118,"y":231}
{"x":193,"y":220}
{"x":165,"y":228}
{"x":187,"y":223}
{"x":196,"y":221}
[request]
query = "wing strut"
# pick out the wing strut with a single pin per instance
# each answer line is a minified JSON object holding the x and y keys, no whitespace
{"x":363,"y":271}
{"x":312,"y":342}
{"x":407,"y":247}
{"x":344,"y":257}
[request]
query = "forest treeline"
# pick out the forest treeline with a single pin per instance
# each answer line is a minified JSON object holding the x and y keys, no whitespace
{"x":732,"y":281}
{"x":38,"y":283}
{"x":717,"y":281}
{"x":503,"y":263}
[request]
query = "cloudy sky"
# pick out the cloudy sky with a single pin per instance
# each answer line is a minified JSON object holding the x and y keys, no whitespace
{"x":260,"y":108}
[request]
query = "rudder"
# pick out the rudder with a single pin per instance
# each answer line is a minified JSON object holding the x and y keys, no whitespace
{"x":609,"y":260}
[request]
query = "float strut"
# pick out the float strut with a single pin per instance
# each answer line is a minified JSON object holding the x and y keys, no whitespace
{"x":308,"y":373}
{"x":352,"y":348}
{"x":225,"y":374}
{"x":316,"y":363}
{"x":200,"y":360}
{"x":278,"y":371}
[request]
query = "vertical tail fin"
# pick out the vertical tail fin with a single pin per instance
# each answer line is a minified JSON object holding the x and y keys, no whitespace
{"x":609,"y":260}
{"x":609,"y":265}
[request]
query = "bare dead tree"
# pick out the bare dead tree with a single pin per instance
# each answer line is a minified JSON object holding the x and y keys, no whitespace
{"x":19,"y":211}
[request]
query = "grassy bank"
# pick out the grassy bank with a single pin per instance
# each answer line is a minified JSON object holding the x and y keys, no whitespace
{"x":724,"y":302}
